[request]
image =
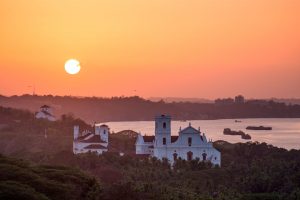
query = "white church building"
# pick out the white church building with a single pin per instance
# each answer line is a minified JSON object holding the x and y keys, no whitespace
{"x":189,"y":144}
{"x":45,"y":113}
{"x":91,"y":141}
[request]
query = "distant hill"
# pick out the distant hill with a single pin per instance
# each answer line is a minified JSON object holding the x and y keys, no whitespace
{"x":293,"y":101}
{"x":134,"y":108}
{"x":181,"y":99}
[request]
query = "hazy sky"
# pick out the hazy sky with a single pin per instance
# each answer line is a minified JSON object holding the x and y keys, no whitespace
{"x":195,"y":48}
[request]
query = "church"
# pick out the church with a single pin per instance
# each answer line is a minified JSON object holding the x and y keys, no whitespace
{"x":188,"y":145}
{"x":45,"y":113}
{"x":86,"y":141}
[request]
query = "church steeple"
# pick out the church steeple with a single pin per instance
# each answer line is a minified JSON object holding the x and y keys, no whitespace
{"x":162,"y":130}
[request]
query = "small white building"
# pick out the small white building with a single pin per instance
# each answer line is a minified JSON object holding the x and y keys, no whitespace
{"x":45,"y":113}
{"x":189,"y":144}
{"x":91,"y":142}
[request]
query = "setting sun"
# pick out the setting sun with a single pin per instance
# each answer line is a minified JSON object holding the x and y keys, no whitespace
{"x":162,"y":99}
{"x":72,"y":66}
{"x":224,"y":44}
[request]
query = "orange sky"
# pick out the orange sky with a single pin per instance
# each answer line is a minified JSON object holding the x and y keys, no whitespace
{"x":195,"y":48}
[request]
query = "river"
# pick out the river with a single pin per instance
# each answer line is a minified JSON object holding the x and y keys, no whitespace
{"x":285,"y":132}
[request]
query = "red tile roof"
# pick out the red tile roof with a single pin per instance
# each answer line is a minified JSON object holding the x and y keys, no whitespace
{"x":93,"y":139}
{"x":148,"y":138}
{"x":84,"y":136}
{"x":151,"y":138}
{"x":95,"y":146}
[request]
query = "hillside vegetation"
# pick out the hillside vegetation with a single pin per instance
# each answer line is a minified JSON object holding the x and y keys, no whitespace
{"x":26,"y":181}
{"x":249,"y":171}
{"x":93,"y":109}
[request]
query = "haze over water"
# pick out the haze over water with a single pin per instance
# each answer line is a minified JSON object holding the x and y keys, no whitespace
{"x":285,"y":132}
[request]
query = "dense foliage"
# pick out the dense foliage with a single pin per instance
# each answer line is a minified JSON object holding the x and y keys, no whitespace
{"x":22,"y":135}
{"x":22,"y":180}
{"x":249,"y":171}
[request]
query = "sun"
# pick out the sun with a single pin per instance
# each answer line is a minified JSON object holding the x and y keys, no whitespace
{"x":72,"y":66}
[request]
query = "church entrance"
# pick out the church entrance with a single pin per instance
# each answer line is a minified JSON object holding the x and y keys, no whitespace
{"x":189,"y":155}
{"x":175,"y":156}
{"x":204,"y":156}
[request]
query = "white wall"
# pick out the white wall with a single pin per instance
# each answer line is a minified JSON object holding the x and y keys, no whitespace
{"x":41,"y":115}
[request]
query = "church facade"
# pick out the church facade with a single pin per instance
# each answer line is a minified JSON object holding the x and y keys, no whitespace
{"x":91,"y":141}
{"x":188,"y":145}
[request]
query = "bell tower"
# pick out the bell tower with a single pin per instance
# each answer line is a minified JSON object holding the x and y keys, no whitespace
{"x":104,"y":132}
{"x":162,"y":130}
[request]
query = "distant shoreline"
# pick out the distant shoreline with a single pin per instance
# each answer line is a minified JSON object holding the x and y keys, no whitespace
{"x":187,"y":120}
{"x":92,"y":109}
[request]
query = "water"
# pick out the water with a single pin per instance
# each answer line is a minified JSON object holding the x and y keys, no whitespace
{"x":285,"y":133}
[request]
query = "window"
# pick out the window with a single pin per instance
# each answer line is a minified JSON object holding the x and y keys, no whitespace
{"x":164,"y":125}
{"x":190,"y":141}
{"x":189,"y":155}
{"x":104,"y":132}
{"x":204,"y":156}
{"x":164,"y":141}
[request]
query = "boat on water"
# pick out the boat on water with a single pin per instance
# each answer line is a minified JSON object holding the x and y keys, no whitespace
{"x":246,"y":137}
{"x":228,"y":131}
{"x":259,"y":128}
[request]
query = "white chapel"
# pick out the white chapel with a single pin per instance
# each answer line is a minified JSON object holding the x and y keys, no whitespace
{"x":45,"y":113}
{"x":189,"y":144}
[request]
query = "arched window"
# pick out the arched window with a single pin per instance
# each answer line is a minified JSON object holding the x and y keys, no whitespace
{"x":189,"y":155}
{"x":175,"y":156}
{"x":164,"y":141}
{"x":164,"y":125}
{"x":204,"y":156}
{"x":190,"y":141}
